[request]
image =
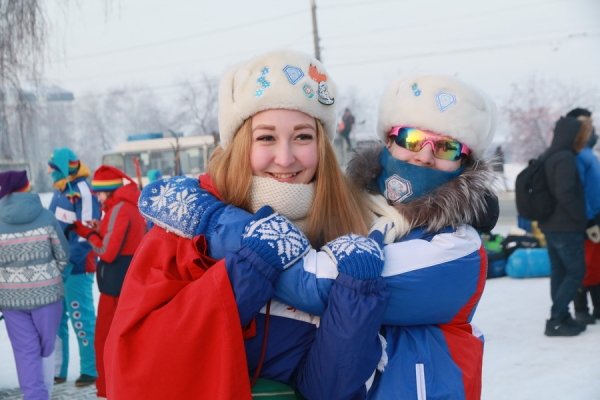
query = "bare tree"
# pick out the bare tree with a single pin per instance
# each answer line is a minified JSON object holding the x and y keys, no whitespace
{"x":22,"y":40}
{"x":532,"y":110}
{"x":104,"y":119}
{"x":197,"y":107}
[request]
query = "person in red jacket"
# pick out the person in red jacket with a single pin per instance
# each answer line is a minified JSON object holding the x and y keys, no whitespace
{"x":114,"y":240}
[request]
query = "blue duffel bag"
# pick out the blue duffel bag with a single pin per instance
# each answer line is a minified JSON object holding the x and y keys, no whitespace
{"x":528,"y":263}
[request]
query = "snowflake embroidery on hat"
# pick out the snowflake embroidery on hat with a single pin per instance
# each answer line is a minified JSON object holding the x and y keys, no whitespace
{"x":444,"y":100}
{"x":280,"y":235}
{"x":347,"y":245}
{"x":263,"y":82}
{"x":416,"y":90}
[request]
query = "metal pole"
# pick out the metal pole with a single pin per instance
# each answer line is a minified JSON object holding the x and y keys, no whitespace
{"x":176,"y":153}
{"x":313,"y":9}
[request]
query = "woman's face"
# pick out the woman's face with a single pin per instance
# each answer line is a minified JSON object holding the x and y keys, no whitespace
{"x":102,"y":197}
{"x":424,"y":157}
{"x":284,"y":146}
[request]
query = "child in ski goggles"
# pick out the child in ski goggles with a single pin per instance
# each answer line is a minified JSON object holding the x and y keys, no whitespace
{"x":444,"y":147}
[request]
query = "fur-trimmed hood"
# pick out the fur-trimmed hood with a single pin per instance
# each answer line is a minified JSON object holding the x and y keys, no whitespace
{"x":467,"y":199}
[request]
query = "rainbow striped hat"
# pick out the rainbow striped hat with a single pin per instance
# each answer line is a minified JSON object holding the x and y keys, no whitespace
{"x":107,"y":178}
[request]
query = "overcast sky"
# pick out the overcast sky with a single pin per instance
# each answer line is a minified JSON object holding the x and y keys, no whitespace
{"x":97,"y":45}
{"x":364,"y":42}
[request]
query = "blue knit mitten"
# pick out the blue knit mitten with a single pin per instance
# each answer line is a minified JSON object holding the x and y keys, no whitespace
{"x":179,"y":205}
{"x":275,"y":239}
{"x":357,"y":256}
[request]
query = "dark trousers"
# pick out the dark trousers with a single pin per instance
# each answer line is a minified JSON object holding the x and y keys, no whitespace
{"x":567,"y":260}
{"x":581,"y":302}
{"x":346,"y":137}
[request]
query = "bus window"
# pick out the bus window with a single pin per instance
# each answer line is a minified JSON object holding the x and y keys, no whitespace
{"x":159,"y":153}
{"x":192,"y":161}
{"x":162,"y":160}
{"x":130,"y":164}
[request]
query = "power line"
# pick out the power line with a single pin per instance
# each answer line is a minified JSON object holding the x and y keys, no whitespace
{"x":183,"y":38}
{"x":429,"y":22}
{"x":580,"y":35}
{"x":572,"y":36}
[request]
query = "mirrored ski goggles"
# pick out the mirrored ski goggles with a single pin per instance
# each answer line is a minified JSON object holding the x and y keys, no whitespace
{"x":414,"y":139}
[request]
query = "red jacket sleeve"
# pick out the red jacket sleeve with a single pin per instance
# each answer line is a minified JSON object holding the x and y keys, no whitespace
{"x":176,"y":332}
{"x":108,"y":243}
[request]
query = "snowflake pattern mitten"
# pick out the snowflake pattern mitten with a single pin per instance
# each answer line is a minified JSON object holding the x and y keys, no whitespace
{"x":357,"y":256}
{"x":276,"y":240}
{"x":180,"y":205}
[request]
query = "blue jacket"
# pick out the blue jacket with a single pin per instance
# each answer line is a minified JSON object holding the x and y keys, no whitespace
{"x":435,"y":278}
{"x":83,"y":207}
{"x":428,"y":330}
{"x":589,"y":173}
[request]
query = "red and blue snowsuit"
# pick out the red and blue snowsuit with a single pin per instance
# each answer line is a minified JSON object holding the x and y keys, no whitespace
{"x":176,"y":286}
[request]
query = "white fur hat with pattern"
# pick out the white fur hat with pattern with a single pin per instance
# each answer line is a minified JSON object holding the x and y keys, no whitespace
{"x":276,"y":80}
{"x":440,"y":104}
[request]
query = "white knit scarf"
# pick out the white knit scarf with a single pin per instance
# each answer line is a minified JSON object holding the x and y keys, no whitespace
{"x":290,"y":200}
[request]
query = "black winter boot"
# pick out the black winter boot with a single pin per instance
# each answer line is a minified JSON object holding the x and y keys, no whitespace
{"x":565,"y":327}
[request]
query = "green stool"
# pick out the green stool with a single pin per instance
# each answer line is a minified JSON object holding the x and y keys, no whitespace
{"x":272,"y":390}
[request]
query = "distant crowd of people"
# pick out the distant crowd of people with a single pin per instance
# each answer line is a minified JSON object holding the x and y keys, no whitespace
{"x":266,"y":276}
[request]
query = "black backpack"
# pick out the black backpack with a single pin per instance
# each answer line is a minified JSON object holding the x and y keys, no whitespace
{"x":533,"y":197}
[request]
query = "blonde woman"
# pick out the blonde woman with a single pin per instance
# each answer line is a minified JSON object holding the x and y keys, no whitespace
{"x":208,"y":269}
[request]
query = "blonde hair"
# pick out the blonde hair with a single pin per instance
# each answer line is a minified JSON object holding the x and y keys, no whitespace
{"x":338,"y":207}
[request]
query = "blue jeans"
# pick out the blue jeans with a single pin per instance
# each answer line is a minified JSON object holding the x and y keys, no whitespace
{"x":567,"y":259}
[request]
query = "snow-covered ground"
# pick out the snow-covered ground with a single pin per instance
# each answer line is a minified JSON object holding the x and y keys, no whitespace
{"x":520,"y":362}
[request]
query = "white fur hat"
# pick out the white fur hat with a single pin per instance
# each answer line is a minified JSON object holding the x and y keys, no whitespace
{"x":441,"y":104}
{"x":280,"y":79}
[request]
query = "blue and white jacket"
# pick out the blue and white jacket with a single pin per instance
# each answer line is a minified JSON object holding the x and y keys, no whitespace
{"x":435,"y":281}
{"x":80,"y":205}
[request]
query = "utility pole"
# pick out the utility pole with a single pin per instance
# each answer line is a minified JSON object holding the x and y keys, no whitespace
{"x":176,"y":152}
{"x":313,"y":9}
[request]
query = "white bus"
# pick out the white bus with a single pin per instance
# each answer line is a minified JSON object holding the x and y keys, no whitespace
{"x":161,"y":153}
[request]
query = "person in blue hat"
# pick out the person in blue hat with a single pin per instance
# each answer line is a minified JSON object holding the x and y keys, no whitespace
{"x":73,"y":201}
